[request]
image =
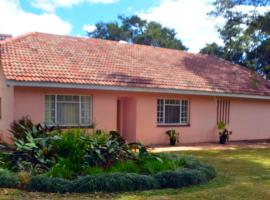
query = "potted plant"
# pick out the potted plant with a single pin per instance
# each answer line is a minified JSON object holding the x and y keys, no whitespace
{"x":173,"y":136}
{"x":223,"y":133}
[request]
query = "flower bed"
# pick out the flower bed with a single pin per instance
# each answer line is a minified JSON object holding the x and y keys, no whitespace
{"x":49,"y":160}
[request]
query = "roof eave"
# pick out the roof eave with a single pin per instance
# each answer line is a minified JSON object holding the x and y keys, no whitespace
{"x":132,"y":89}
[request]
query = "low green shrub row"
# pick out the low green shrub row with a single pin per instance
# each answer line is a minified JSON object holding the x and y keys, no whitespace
{"x":195,"y":173}
{"x":8,"y":179}
{"x":119,"y":182}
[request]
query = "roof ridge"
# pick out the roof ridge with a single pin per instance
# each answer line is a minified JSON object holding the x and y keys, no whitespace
{"x":97,"y":39}
{"x":113,"y":41}
{"x":17,"y":37}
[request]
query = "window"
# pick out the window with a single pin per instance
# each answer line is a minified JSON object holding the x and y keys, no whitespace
{"x":172,"y":112}
{"x":69,"y":110}
{"x":223,"y":111}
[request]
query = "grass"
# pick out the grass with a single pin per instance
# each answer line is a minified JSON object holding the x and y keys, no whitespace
{"x":242,"y":174}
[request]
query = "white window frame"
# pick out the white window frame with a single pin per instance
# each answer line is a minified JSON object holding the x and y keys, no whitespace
{"x":80,"y":114}
{"x":180,"y":117}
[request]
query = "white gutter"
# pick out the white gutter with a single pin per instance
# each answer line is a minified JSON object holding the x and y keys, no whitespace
{"x":132,"y":89}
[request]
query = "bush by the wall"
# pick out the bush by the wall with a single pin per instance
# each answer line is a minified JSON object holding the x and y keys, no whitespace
{"x":7,"y":179}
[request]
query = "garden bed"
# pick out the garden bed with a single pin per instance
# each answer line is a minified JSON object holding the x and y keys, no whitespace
{"x":48,"y":160}
{"x":193,"y":173}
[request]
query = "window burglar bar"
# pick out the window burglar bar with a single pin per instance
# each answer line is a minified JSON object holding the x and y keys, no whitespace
{"x":172,"y":112}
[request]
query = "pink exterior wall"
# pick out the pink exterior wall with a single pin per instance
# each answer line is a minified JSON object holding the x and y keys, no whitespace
{"x":202,"y":120}
{"x":6,"y":95}
{"x":249,"y":119}
{"x":31,"y":102}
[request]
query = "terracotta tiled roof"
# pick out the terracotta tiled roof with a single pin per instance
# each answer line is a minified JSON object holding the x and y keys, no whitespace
{"x":40,"y":57}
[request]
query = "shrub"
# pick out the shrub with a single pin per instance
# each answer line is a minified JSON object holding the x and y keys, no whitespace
{"x":72,"y":144}
{"x":154,"y":164}
{"x":178,"y":179}
{"x":24,"y":178}
{"x":17,"y":128}
{"x":33,"y":150}
{"x":107,"y":181}
{"x":70,"y":149}
{"x":21,"y":127}
{"x":65,"y":168}
{"x":93,"y":170}
{"x":128,"y":166}
{"x":105,"y":149}
{"x":46,"y":184}
{"x":32,"y":154}
{"x":7,"y":179}
{"x":115,"y":182}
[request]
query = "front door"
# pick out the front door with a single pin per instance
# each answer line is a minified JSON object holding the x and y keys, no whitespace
{"x":126,"y":117}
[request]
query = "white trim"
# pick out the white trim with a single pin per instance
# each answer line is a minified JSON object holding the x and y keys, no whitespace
{"x":133,"y":89}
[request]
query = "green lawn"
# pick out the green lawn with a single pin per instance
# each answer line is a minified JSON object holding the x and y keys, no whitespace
{"x":242,"y":174}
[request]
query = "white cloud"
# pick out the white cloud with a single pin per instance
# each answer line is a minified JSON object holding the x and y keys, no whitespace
{"x":51,"y":5}
{"x":89,"y":28}
{"x":190,"y":20}
{"x":16,"y":21}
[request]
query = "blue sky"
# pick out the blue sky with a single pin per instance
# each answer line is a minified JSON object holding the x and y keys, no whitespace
{"x":90,"y":13}
{"x":72,"y":17}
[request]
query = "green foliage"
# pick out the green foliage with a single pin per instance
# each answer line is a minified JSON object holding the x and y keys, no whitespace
{"x":152,"y":165}
{"x":194,"y":173}
{"x":23,"y":126}
{"x":18,"y":128}
{"x":224,"y":134}
{"x":246,"y":35}
{"x":173,"y":136}
{"x":105,"y":149}
{"x":72,"y":145}
{"x":135,"y":30}
{"x":93,"y":170}
{"x":213,"y":49}
{"x":128,"y":166}
{"x":65,"y":168}
{"x":221,"y":126}
{"x":7,"y":179}
{"x":33,"y":149}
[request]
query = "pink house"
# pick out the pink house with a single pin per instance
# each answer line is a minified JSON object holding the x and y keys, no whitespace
{"x":140,"y":90}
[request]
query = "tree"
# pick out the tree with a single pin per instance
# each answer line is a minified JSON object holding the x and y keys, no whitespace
{"x":135,"y":30}
{"x":213,"y":49}
{"x":245,"y":35}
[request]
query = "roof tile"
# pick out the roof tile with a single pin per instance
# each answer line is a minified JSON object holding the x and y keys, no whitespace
{"x":41,"y":57}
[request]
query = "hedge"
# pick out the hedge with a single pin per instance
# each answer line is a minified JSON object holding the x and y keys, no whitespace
{"x":119,"y":182}
{"x":8,"y":179}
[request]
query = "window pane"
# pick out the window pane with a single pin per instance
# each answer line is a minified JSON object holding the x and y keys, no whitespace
{"x":172,"y":114}
{"x":50,"y":109}
{"x":68,"y":113}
